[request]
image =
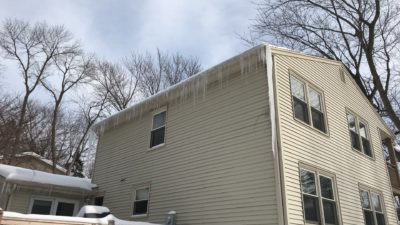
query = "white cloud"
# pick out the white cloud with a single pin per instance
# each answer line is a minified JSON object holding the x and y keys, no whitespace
{"x":112,"y":29}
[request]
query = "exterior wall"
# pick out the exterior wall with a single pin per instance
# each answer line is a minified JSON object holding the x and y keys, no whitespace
{"x":332,"y":152}
{"x":21,"y":197}
{"x":216,"y":166}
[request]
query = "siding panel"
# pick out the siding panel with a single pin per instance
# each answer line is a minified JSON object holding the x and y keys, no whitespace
{"x":216,"y":166}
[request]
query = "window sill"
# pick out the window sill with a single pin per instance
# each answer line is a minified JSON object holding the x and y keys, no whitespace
{"x":139,"y":216}
{"x":311,"y":127}
{"x":363,"y":155}
{"x":156,"y":147}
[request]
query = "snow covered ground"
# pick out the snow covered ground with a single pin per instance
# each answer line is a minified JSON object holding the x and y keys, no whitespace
{"x":65,"y":219}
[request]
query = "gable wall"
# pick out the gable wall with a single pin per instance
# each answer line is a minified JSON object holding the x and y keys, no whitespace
{"x":331,"y":152}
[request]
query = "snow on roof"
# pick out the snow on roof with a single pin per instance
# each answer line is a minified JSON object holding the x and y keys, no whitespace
{"x":196,"y":83}
{"x":41,"y":158}
{"x":48,"y":218}
{"x":33,"y":177}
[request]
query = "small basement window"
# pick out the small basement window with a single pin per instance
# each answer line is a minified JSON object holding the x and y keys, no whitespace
{"x":158,"y":129}
{"x":359,"y":134}
{"x":141,"y":201}
{"x":307,"y":104}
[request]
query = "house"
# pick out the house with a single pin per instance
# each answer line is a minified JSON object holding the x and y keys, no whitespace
{"x":36,"y":192}
{"x":270,"y":136}
{"x":32,"y":160}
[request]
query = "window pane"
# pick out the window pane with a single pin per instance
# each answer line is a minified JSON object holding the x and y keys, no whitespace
{"x":159,"y":120}
{"x":326,"y":187}
{"x":300,"y":110}
{"x":157,"y":137}
{"x":297,"y":88}
{"x":355,"y":141}
{"x":41,"y":207}
{"x":363,"y":131}
{"x":307,"y":182}
{"x":366,"y":147}
{"x":368,"y":217}
{"x":142,"y":194}
{"x":329,"y":211}
{"x":65,"y":209}
{"x":318,"y":120}
{"x":365,"y":199}
{"x":315,"y":99}
{"x":380,"y":218}
{"x":376,"y":202}
{"x":351,"y":122}
{"x":99,"y":200}
{"x":311,"y":209}
{"x":140,"y":207}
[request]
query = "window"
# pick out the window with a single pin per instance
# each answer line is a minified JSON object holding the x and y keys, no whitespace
{"x":359,"y":134}
{"x":141,"y":201}
{"x":53,"y":206}
{"x":319,"y":198}
{"x":372,"y":207}
{"x":307,"y":104}
{"x":99,"y":200}
{"x":158,"y":129}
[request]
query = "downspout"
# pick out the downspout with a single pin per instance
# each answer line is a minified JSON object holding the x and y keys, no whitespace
{"x":275,"y":136}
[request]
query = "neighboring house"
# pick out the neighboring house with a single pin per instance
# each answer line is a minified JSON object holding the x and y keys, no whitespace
{"x":30,"y":191}
{"x":31,"y":160}
{"x":270,"y":136}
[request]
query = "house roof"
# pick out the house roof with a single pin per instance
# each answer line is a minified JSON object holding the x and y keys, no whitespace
{"x":198,"y":81}
{"x":40,"y":158}
{"x":24,"y":176}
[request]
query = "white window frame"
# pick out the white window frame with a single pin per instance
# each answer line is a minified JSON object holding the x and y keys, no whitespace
{"x":379,"y":193}
{"x":134,"y":200}
{"x":317,"y":173}
{"x":307,"y":86}
{"x":54,"y":203}
{"x":358,"y":120}
{"x":155,"y":113}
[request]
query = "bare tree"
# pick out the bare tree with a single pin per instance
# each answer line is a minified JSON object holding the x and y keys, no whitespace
{"x":89,"y":113}
{"x":159,"y":72}
{"x":118,"y":83}
{"x":364,"y":35}
{"x":32,"y":47}
{"x":72,"y":69}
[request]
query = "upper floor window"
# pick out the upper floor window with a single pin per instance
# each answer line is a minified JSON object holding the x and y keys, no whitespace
{"x":372,"y":207}
{"x":158,"y":129}
{"x":319,"y":197}
{"x":307,"y":104}
{"x":359,"y":134}
{"x":141,"y":201}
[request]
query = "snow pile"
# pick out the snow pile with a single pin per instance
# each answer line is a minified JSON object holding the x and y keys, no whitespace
{"x":92,"y":209}
{"x":397,"y":148}
{"x":26,"y":176}
{"x":51,"y":218}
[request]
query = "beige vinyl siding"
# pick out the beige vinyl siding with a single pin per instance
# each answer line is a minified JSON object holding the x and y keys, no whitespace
{"x":331,"y":152}
{"x":216,"y":166}
{"x":21,"y":197}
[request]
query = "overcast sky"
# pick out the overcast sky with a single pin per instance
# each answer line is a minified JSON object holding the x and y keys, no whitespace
{"x":112,"y":29}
